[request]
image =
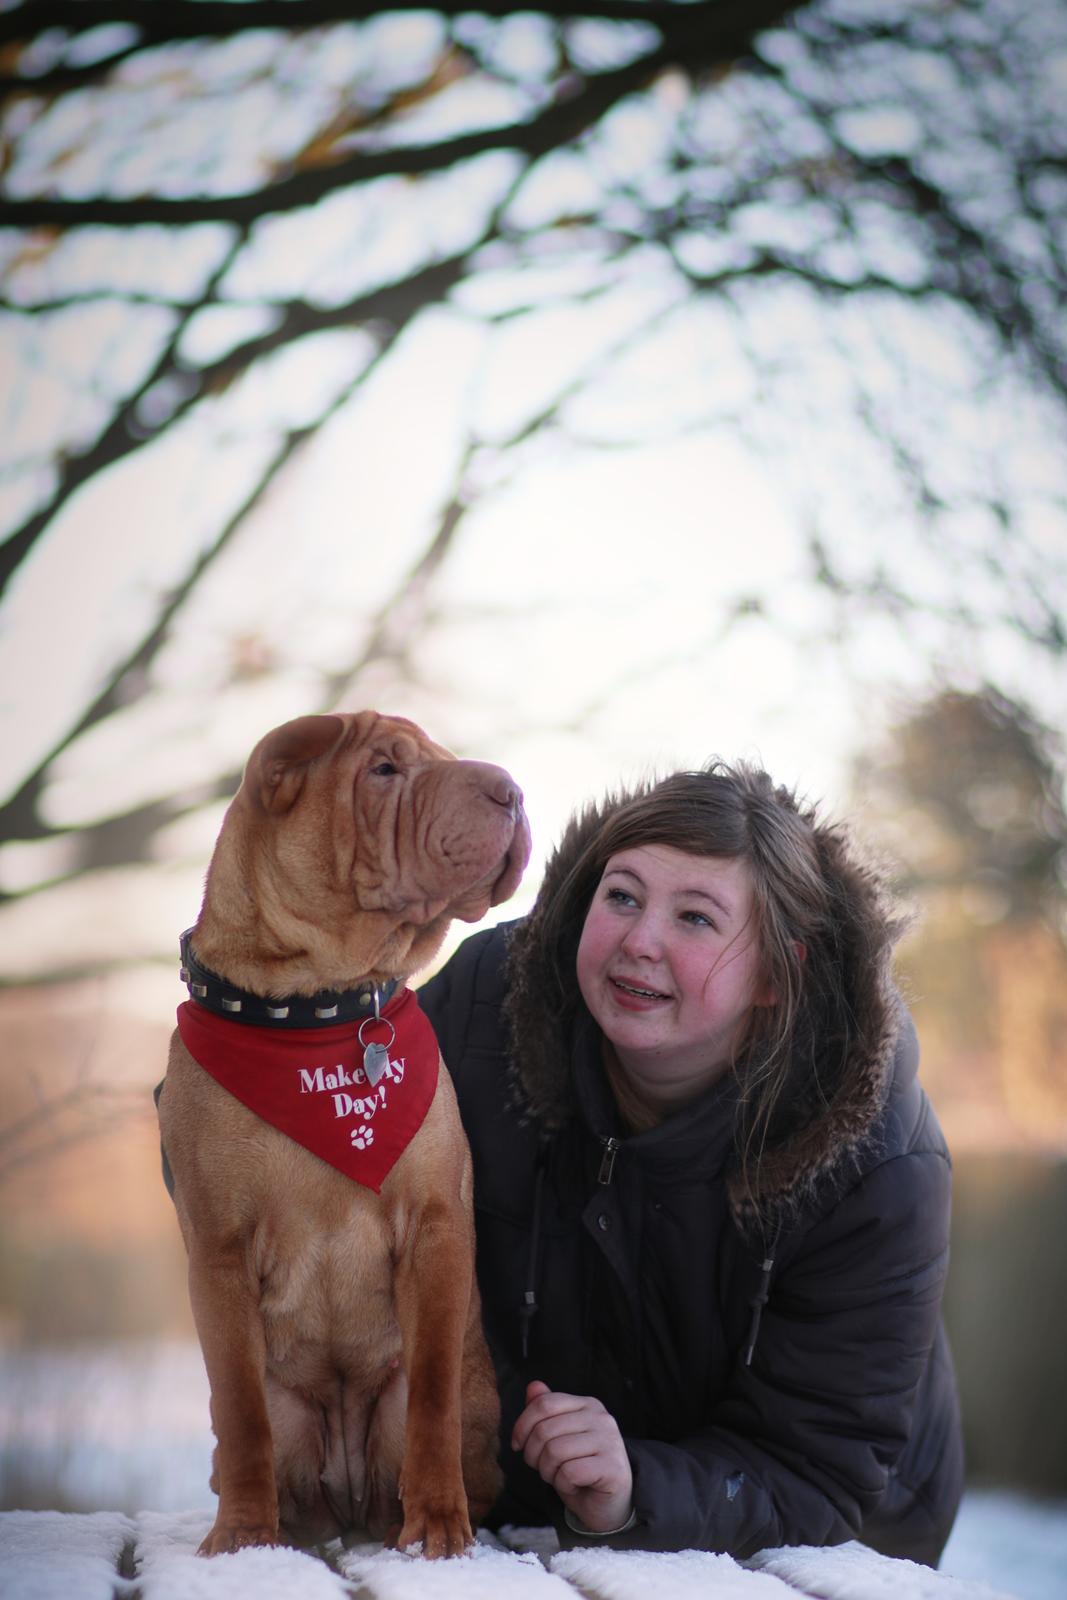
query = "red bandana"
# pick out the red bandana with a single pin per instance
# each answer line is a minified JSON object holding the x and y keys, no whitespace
{"x":318,"y":1084}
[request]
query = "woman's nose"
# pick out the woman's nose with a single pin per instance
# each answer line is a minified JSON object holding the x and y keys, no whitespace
{"x":644,"y":938}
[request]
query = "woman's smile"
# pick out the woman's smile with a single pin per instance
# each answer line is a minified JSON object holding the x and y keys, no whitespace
{"x":632,"y":992}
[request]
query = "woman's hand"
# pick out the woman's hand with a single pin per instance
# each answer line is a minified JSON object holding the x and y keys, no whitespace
{"x":576,"y":1447}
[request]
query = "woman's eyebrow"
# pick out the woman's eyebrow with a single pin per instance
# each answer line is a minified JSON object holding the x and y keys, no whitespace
{"x":722,"y":906}
{"x":706,"y":894}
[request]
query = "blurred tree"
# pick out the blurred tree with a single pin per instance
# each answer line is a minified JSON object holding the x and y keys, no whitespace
{"x":968,"y":792}
{"x":971,"y":794}
{"x":224,"y":221}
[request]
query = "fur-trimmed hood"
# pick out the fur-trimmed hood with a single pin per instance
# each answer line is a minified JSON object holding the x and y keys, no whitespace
{"x":845,"y":1055}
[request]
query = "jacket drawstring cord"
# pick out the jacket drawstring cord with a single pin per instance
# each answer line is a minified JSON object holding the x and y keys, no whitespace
{"x":529,"y":1307}
{"x":761,"y":1296}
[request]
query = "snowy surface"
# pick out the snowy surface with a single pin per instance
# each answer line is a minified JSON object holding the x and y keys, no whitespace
{"x":46,"y":1555}
{"x":1012,"y":1543}
{"x":682,"y":1574}
{"x":114,"y":1431}
{"x":168,"y":1567}
{"x":489,"y":1573}
{"x":113,"y":1427}
{"x":852,"y":1572}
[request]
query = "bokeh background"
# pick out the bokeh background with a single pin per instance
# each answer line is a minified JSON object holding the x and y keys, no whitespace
{"x":606,"y":390}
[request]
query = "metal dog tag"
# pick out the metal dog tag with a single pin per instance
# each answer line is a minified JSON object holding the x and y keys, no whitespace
{"x":375,"y":1063}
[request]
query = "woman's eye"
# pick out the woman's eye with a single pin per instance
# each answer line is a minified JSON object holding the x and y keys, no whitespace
{"x":697,"y":919}
{"x":384,"y":769}
{"x":619,"y":897}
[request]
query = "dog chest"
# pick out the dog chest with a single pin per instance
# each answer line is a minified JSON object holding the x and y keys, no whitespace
{"x":326,"y":1288}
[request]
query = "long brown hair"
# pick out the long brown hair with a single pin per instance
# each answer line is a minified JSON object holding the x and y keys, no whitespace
{"x":824,"y":927}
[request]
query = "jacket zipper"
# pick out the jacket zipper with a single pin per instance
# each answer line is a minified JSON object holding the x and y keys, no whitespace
{"x":607,"y":1160}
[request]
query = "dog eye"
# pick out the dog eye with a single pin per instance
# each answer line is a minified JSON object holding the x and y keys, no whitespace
{"x":384,"y":769}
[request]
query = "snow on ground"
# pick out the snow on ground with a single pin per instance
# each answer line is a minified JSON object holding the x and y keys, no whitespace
{"x":682,"y":1575}
{"x":852,"y":1572}
{"x":491,"y":1573}
{"x":1010,"y":1542}
{"x":51,"y":1556}
{"x":45,"y":1555}
{"x":168,"y":1567}
{"x":125,"y":1430}
{"x":113,"y":1427}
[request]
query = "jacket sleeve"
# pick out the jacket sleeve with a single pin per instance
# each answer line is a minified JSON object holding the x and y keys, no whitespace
{"x":800,"y":1447}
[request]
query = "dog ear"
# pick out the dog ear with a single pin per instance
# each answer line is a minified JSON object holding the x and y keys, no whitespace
{"x":279,"y":763}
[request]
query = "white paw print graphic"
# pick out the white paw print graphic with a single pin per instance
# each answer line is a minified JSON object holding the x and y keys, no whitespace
{"x":362,"y":1136}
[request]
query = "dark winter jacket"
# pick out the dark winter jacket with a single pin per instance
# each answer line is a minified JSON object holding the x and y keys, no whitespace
{"x":624,"y":1266}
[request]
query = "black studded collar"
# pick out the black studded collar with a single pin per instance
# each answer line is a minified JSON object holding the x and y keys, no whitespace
{"x":323,"y":1010}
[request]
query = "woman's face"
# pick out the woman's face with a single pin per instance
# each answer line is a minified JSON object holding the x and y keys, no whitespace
{"x":668,"y":965}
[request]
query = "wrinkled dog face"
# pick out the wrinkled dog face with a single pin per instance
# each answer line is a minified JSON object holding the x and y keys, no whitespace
{"x":360,"y":818}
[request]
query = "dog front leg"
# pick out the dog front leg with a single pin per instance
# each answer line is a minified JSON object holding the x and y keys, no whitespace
{"x":433,"y":1289}
{"x":230,"y":1328}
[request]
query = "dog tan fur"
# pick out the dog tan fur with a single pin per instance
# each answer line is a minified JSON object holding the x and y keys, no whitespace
{"x":351,"y":1387}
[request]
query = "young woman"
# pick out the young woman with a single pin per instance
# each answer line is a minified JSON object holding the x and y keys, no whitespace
{"x":712,"y":1199}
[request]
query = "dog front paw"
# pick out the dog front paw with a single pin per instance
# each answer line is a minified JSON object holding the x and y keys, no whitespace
{"x":440,"y":1532}
{"x":226,"y":1537}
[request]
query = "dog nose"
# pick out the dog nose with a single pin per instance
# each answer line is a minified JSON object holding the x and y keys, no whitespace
{"x":499,"y":786}
{"x":506,"y":793}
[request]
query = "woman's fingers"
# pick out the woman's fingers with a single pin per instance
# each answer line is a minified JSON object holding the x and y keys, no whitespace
{"x":544,"y":1406}
{"x":575,"y":1446}
{"x":558,"y":1440}
{"x":572,"y":1461}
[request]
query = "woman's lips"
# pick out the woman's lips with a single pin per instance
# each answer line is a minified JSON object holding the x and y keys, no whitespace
{"x":634,"y":996}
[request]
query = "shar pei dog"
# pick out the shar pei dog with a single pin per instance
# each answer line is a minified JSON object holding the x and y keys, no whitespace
{"x":319,"y":1169}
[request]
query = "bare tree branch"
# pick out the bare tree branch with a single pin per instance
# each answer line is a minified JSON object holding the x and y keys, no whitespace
{"x":199,"y":19}
{"x":756,"y":194}
{"x":572,"y":113}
